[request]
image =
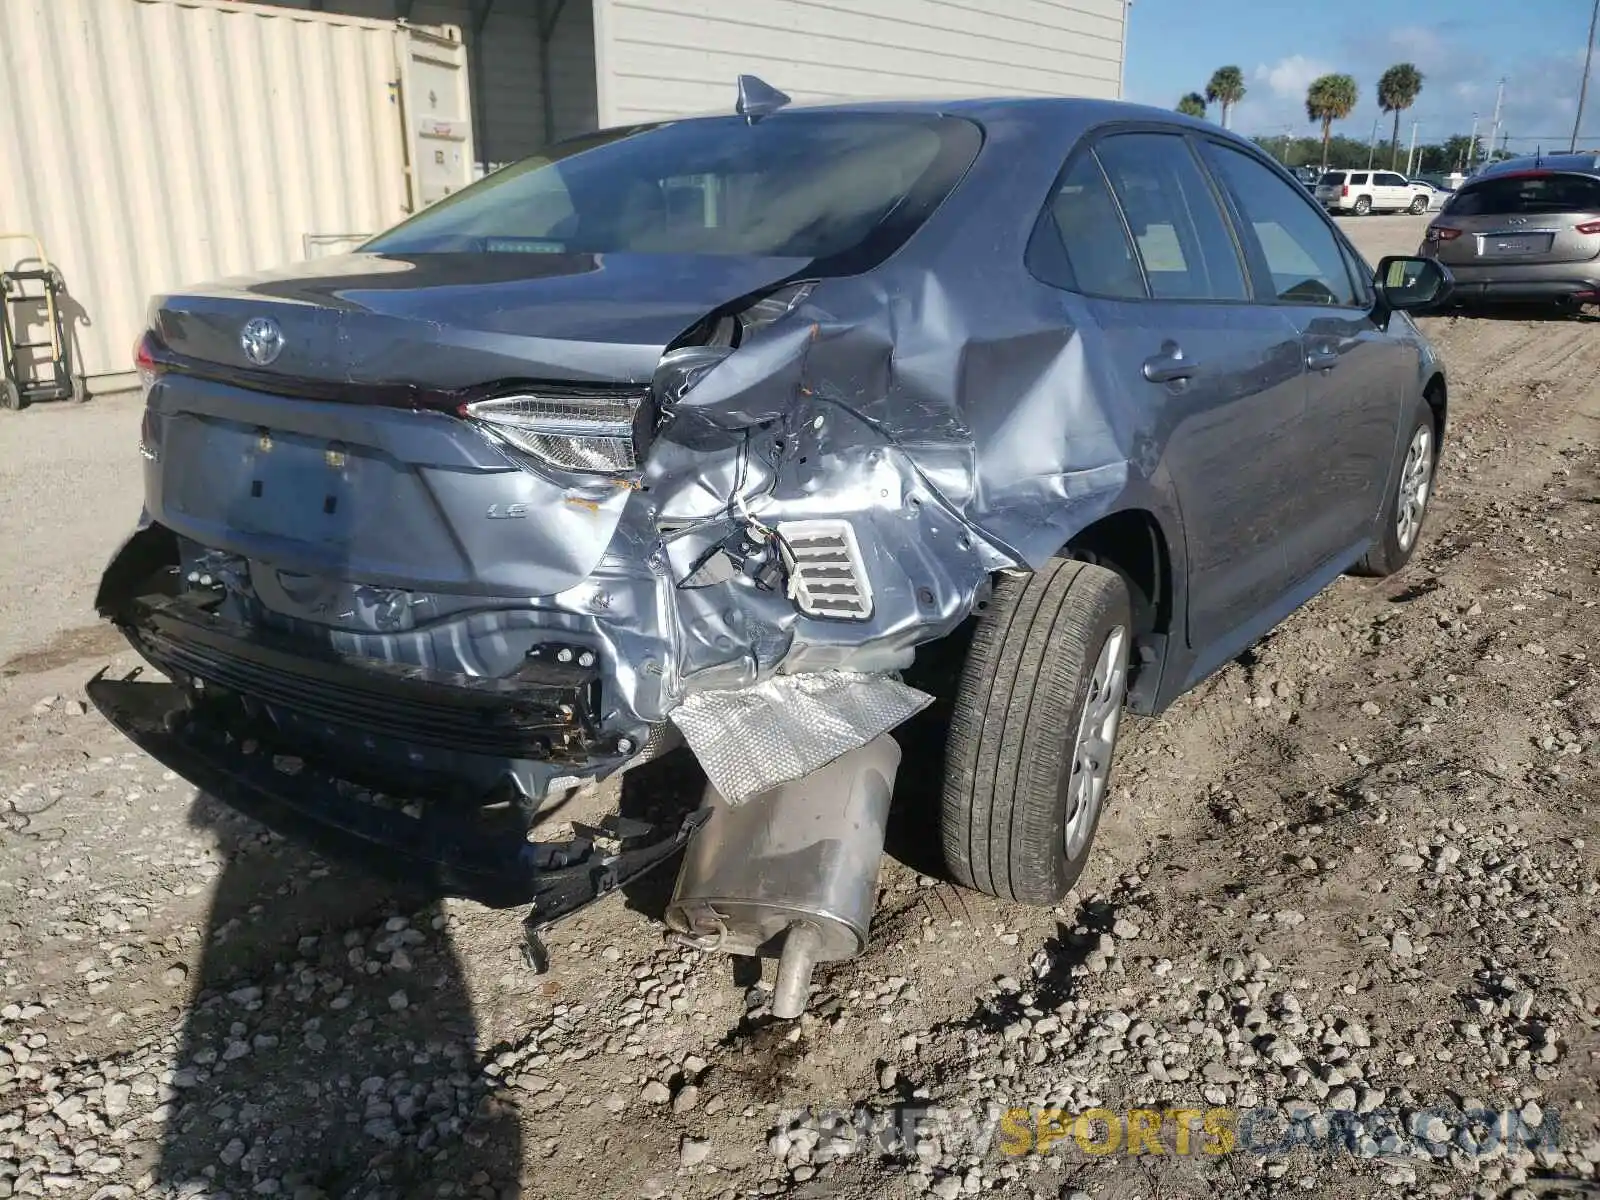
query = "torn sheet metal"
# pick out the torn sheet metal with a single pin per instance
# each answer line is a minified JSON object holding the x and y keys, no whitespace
{"x":754,"y":739}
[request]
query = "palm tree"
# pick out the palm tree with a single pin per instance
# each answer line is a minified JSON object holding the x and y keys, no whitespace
{"x":1227,"y":89}
{"x":1193,"y":105}
{"x":1397,"y":91}
{"x":1330,"y":98}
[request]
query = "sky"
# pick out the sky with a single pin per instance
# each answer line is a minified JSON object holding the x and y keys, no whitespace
{"x":1462,"y":47}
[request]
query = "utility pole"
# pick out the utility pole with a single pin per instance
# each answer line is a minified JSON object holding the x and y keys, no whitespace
{"x":1411,"y":154}
{"x":1583,"y":88}
{"x":1494,"y":131}
{"x":1472,"y":143}
{"x":1372,"y":143}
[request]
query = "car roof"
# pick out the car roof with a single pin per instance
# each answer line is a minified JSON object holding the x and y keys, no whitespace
{"x":1065,"y":117}
{"x":1586,"y":163}
{"x":1093,"y":110}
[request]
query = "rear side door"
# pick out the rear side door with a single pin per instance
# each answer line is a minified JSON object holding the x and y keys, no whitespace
{"x":1359,"y":380}
{"x":1358,"y":184}
{"x":1218,"y":380}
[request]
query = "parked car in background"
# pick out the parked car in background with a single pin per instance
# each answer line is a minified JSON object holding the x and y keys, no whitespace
{"x":1584,"y":162}
{"x":1307,"y":176}
{"x":1518,"y":232}
{"x":720,"y":422}
{"x":1363,"y":192}
{"x":1436,"y":195}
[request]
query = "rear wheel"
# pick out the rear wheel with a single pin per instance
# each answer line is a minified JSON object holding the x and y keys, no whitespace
{"x":1363,"y":206}
{"x":1407,"y":507}
{"x":10,"y":395}
{"x":1028,"y":758}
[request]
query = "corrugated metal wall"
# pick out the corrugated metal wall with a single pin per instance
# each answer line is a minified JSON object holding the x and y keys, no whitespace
{"x":670,"y":57}
{"x":153,"y":143}
{"x":508,"y":115}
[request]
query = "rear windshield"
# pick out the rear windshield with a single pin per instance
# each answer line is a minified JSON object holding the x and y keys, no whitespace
{"x":1332,"y":177}
{"x":806,"y":185}
{"x":1507,"y":194}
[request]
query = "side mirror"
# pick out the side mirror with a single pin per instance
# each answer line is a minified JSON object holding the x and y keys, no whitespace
{"x":1407,"y":284}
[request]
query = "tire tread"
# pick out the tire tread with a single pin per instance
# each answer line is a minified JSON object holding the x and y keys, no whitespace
{"x":1011,"y":726}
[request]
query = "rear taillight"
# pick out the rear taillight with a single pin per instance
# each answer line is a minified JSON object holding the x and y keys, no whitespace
{"x":1344,"y":191}
{"x":1589,"y":227}
{"x":145,"y":359}
{"x":572,"y":432}
{"x":1442,"y":233}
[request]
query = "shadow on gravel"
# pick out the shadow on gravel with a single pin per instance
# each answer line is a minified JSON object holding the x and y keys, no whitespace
{"x":661,"y":792}
{"x":913,"y":834}
{"x":1060,"y":955}
{"x":330,"y":1044}
{"x":1521,"y":312}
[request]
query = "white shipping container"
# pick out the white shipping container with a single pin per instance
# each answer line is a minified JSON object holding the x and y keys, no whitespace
{"x":154,"y":143}
{"x":658,"y":59}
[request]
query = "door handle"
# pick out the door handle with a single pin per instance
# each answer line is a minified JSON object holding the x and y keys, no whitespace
{"x":1169,"y":366}
{"x":1322,"y":358}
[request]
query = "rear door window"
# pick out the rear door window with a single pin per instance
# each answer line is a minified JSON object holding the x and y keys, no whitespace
{"x":1183,"y":240}
{"x":1296,"y":247}
{"x":1509,"y":195}
{"x":1092,"y":233}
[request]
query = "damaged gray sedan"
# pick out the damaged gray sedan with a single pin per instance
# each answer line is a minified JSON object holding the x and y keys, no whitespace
{"x":697,"y":431}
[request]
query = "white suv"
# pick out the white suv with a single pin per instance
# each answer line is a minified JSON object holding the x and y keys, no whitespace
{"x":1362,"y":192}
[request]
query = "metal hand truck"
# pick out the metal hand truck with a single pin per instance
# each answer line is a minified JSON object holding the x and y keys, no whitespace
{"x":30,"y":283}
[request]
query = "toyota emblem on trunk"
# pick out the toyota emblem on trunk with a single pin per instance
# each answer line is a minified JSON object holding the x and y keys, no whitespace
{"x":261,"y":340}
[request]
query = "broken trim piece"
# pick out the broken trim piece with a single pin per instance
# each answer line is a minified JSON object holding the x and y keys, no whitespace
{"x":778,"y":731}
{"x":440,"y":850}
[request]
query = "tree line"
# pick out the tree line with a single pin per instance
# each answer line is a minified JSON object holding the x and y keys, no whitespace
{"x":1343,"y":153}
{"x":1332,"y":98}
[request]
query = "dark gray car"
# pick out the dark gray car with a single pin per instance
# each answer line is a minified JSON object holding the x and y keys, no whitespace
{"x":708,"y":426}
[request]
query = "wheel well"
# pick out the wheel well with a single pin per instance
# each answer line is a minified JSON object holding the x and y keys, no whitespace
{"x":1437,"y":394}
{"x":1131,"y":544}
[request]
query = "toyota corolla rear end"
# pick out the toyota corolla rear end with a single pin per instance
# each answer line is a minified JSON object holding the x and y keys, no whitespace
{"x":416,"y":548}
{"x":1522,"y":236}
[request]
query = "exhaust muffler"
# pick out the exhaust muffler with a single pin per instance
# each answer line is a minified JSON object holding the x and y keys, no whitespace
{"x":791,"y":873}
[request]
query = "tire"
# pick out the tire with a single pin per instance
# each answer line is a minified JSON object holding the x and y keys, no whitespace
{"x":1050,"y":654}
{"x":10,"y":397}
{"x":1363,"y":206}
{"x":1398,"y":539}
{"x":1419,"y":206}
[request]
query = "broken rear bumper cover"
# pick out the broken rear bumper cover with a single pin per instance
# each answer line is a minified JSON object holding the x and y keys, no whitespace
{"x":439,"y":844}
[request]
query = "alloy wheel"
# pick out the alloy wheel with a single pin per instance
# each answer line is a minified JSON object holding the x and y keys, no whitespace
{"x":1416,"y":482}
{"x":1096,"y":741}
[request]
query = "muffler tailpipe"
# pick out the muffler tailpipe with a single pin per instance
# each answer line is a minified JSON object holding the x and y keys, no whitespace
{"x":791,"y":873}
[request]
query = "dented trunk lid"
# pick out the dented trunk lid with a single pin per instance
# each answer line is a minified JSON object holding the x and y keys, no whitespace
{"x":459,"y":320}
{"x":341,"y":458}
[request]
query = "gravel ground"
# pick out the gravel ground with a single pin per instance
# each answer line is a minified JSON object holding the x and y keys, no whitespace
{"x":1346,"y":893}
